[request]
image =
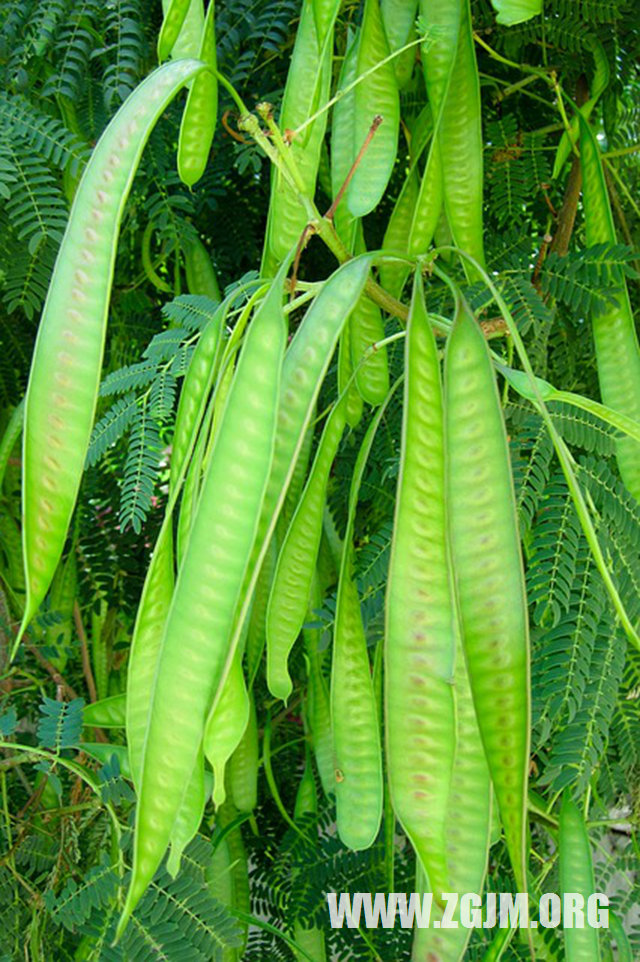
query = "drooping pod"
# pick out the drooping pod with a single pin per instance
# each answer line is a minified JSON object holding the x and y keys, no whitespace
{"x":297,"y":483}
{"x":343,"y":148}
{"x":197,"y":382}
{"x":201,"y":275}
{"x":243,"y":767}
{"x":354,"y":717}
{"x":428,"y":206}
{"x":318,"y":704}
{"x":467,"y":827}
{"x":189,"y":817}
{"x":9,"y":438}
{"x":453,"y":86}
{"x":65,"y":371}
{"x":346,"y":383}
{"x":177,"y":13}
{"x":226,"y":725}
{"x":376,"y":96}
{"x":355,"y":723}
{"x":148,"y":629}
{"x":291,"y":589}
{"x":485,"y":548}
{"x":576,"y":876}
{"x":614,"y":331}
{"x":305,"y":365}
{"x":421,"y":617}
{"x":196,"y":636}
{"x":598,"y":85}
{"x":399,"y":19}
{"x":307,"y":88}
{"x":219,"y":879}
{"x":366,"y":328}
{"x":393,"y":274}
{"x":325,"y":13}
{"x":108,"y":713}
{"x":257,"y":628}
{"x":201,"y":109}
{"x":233,"y":888}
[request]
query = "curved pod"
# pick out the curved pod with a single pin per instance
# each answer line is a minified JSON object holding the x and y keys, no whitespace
{"x":65,"y":371}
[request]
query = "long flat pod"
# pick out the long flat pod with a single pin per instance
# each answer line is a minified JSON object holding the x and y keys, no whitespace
{"x":428,"y":205}
{"x":200,"y":111}
{"x":376,"y":95}
{"x":243,"y":767}
{"x":325,"y":13}
{"x":366,"y":328}
{"x":354,"y":716}
{"x":442,"y":19}
{"x":576,"y":877}
{"x":178,"y":15}
{"x":421,"y":616}
{"x":210,"y":580}
{"x":467,"y":826}
{"x":226,"y":725}
{"x":146,"y":640}
{"x":461,"y":147}
{"x":511,"y":12}
{"x":200,"y":272}
{"x":106,"y":713}
{"x":306,"y":89}
{"x":65,"y":371}
{"x":197,"y":382}
{"x":318,"y":706}
{"x":488,"y":565}
{"x":346,"y":383}
{"x":614,"y":331}
{"x":305,"y":365}
{"x":343,"y":148}
{"x":399,"y":18}
{"x":293,"y":578}
{"x":189,"y":816}
{"x":393,"y":274}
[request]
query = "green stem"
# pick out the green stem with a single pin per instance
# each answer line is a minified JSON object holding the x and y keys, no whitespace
{"x":271,"y":782}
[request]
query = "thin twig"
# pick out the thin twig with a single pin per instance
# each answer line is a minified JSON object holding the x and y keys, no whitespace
{"x":377,"y":120}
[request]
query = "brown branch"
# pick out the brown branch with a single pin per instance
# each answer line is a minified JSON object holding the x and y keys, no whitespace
{"x":569,"y":209}
{"x":64,"y":688}
{"x":86,"y":661}
{"x":535,"y":280}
